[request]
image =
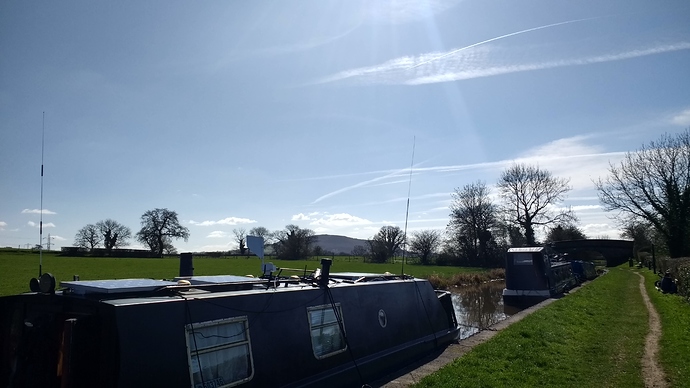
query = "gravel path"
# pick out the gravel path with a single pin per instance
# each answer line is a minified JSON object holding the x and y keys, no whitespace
{"x":651,"y":370}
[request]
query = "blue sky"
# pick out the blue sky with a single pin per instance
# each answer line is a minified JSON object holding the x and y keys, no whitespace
{"x":268,"y":113}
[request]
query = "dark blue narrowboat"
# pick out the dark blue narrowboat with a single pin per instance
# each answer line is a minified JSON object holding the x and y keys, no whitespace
{"x":322,"y":329}
{"x":583,"y":270}
{"x":533,"y":274}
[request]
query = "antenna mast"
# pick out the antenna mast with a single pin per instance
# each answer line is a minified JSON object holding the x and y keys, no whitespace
{"x":407,"y":211}
{"x":40,"y":227}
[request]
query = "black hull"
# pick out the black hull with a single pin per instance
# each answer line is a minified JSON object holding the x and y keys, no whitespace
{"x":143,"y":341}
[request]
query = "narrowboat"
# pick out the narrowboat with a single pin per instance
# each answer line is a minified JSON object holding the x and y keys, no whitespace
{"x":583,"y":270}
{"x":314,"y":330}
{"x":533,"y":274}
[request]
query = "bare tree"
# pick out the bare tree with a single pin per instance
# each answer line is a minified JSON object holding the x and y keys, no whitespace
{"x":168,"y":247}
{"x":653,"y":185}
{"x":386,"y":243}
{"x":88,"y":237}
{"x":359,"y":251}
{"x":115,"y":235}
{"x":240,"y":239}
{"x":528,"y":192}
{"x":425,"y":243}
{"x":473,"y":222}
{"x":643,"y":236}
{"x":158,"y":228}
{"x":260,"y":231}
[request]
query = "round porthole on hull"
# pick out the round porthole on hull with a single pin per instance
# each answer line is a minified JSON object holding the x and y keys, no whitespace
{"x":383,"y":320}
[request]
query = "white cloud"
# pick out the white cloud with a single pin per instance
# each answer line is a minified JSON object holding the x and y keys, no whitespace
{"x":325,"y":220}
{"x":601,"y":230}
{"x":570,"y":146}
{"x":217,"y":234}
{"x":682,"y":118}
{"x":485,"y":59}
{"x":338,"y":220}
{"x":321,"y":230}
{"x":576,"y":208}
{"x":37,"y":211}
{"x":455,"y":71}
{"x":224,"y":221}
{"x":58,"y":238}
{"x":3,"y":225}
{"x":300,"y":217}
{"x":584,"y":208}
{"x":45,"y":224}
{"x":570,"y":158}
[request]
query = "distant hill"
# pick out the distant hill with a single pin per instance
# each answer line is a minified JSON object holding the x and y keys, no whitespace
{"x":338,"y":244}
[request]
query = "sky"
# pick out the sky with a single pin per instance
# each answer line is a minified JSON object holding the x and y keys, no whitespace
{"x":324,"y":114}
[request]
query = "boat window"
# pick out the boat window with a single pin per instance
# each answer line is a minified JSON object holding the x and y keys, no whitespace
{"x":326,"y":338}
{"x":219,"y":353}
{"x":522,"y":258}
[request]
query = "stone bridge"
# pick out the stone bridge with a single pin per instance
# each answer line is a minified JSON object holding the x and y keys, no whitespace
{"x":615,"y":252}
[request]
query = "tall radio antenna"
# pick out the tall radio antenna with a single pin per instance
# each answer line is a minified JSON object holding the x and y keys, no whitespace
{"x":407,"y":211}
{"x":40,"y":226}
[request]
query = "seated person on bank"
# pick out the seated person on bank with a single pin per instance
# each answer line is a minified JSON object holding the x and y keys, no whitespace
{"x":667,"y":284}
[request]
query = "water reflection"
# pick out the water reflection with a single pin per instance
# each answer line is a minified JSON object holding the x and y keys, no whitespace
{"x":478,"y":307}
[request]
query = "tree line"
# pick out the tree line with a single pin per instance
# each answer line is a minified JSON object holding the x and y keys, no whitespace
{"x":159,"y":227}
{"x":649,"y":191}
{"x":479,"y":231}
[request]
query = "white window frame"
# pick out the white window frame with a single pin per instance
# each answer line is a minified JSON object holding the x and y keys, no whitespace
{"x":218,"y":347}
{"x":331,"y":324}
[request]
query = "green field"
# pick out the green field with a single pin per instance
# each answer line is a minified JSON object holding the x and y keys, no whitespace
{"x":17,"y":267}
{"x":592,"y":338}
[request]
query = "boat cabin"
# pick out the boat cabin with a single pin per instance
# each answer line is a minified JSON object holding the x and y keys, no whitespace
{"x":533,"y":274}
{"x":221,"y":331}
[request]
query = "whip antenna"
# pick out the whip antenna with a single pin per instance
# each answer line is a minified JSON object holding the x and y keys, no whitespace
{"x":40,"y":226}
{"x":407,"y":211}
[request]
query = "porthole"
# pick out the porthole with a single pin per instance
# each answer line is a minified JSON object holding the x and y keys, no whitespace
{"x":383,"y":320}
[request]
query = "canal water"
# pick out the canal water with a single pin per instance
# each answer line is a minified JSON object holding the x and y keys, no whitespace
{"x":478,"y":307}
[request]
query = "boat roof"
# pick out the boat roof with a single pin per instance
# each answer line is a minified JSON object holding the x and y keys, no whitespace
{"x":360,"y":276}
{"x":131,"y":286}
{"x":121,"y":286}
{"x":114,"y":286}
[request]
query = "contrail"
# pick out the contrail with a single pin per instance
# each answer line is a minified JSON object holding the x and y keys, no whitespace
{"x":505,"y":36}
{"x":360,"y":184}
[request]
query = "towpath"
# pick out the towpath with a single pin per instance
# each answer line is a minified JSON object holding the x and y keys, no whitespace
{"x":651,"y":370}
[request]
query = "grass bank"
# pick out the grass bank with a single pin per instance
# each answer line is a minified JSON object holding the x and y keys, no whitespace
{"x":674,"y":311}
{"x":459,"y":279}
{"x":592,"y":338}
{"x":17,"y":267}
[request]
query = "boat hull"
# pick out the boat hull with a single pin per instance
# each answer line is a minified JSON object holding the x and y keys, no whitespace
{"x":157,"y":340}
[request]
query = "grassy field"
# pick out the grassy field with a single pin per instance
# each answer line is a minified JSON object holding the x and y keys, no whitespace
{"x":17,"y":267}
{"x":592,"y":338}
